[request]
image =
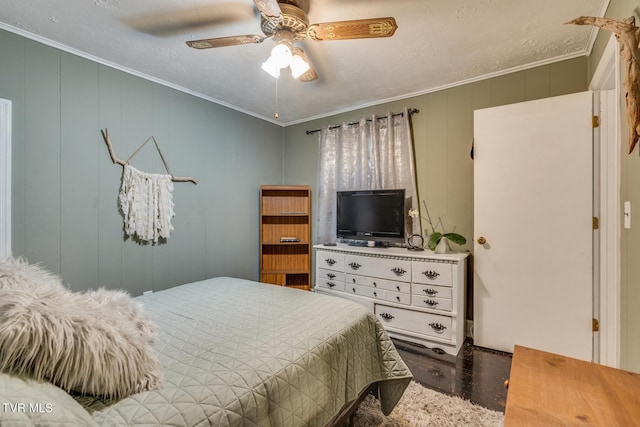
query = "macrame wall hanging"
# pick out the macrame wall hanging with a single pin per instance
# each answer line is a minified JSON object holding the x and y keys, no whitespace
{"x":146,"y":199}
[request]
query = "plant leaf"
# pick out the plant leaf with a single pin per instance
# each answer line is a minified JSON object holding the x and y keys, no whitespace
{"x":434,"y":239}
{"x":455,"y":238}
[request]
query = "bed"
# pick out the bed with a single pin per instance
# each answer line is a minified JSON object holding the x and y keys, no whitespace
{"x":234,"y":352}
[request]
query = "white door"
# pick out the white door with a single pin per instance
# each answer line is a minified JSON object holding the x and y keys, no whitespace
{"x":533,"y":205}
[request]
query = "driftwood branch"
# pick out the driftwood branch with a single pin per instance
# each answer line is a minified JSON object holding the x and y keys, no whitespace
{"x":114,"y":159}
{"x":628,"y":35}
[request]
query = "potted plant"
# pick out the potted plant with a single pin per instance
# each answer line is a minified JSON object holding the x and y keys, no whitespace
{"x":438,"y":241}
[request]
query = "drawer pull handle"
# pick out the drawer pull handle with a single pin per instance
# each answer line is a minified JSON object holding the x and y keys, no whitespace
{"x":398,"y":288}
{"x":431,"y":303}
{"x":354,"y":265}
{"x":331,"y":276}
{"x":398,"y":271}
{"x":354,"y":290}
{"x":386,"y":316}
{"x":438,"y":327}
{"x":375,"y":294}
{"x":398,"y":298}
{"x":430,"y":292}
{"x":375,"y":285}
{"x":330,"y":261}
{"x":431,"y":274}
{"x":331,"y":284}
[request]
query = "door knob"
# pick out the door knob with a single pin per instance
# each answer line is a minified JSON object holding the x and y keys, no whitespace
{"x":481,"y":240}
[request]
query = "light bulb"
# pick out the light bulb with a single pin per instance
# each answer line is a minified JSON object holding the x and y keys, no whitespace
{"x":270,"y":67}
{"x":298,"y":66}
{"x":281,"y":55}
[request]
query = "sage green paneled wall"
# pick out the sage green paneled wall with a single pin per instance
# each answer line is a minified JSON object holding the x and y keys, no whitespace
{"x":629,"y":190}
{"x":65,"y":187}
{"x":443,"y":136}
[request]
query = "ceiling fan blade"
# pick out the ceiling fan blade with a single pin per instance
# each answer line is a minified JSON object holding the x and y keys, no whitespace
{"x":170,"y":22}
{"x":225,"y":41}
{"x":269,"y":8}
{"x":309,"y":75}
{"x":354,"y":29}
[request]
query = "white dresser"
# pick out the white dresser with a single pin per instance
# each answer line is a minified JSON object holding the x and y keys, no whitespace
{"x":418,"y":296}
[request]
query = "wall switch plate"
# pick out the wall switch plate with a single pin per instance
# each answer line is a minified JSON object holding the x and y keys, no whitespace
{"x":627,"y":214}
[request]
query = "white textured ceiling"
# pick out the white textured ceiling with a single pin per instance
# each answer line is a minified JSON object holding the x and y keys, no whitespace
{"x":438,"y":44}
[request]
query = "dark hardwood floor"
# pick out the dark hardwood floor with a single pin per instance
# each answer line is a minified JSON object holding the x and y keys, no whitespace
{"x":476,"y":374}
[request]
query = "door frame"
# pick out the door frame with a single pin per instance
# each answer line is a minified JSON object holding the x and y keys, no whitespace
{"x":606,"y":80}
{"x":5,"y":178}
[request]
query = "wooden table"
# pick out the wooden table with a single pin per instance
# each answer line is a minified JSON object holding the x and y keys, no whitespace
{"x":547,"y":389}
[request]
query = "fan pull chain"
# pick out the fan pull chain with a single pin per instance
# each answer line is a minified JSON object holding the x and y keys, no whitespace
{"x":276,"y":115}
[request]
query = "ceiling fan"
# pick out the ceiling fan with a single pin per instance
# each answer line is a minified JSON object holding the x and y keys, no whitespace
{"x":286,"y":22}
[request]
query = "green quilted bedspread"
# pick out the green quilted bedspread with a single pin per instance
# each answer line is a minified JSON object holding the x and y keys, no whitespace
{"x":239,"y":353}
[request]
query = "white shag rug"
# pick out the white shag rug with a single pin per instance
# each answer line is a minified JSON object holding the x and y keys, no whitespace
{"x":420,"y":406}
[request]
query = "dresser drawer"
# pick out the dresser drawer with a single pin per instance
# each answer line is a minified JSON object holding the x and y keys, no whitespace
{"x":366,"y":291}
{"x":431,"y":291}
{"x":336,"y":276}
{"x":378,"y":288}
{"x":443,"y":304}
{"x":415,"y":321}
{"x":334,"y":285}
{"x":435,"y":273}
{"x":374,"y":282}
{"x":398,"y":298}
{"x":384,"y":268}
{"x":330,"y":260}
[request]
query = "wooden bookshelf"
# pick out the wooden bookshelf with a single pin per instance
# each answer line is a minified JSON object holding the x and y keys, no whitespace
{"x":285,"y":235}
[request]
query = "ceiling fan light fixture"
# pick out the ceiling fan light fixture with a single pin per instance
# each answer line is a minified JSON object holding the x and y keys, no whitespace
{"x":281,"y":54}
{"x":298,"y":66}
{"x":286,"y":22}
{"x":271,"y":67}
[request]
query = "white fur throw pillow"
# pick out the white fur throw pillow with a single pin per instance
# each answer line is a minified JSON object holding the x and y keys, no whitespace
{"x":17,"y":273}
{"x":95,"y":343}
{"x":120,"y":301}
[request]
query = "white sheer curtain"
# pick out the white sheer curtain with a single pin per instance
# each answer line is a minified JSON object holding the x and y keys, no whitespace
{"x":376,"y":153}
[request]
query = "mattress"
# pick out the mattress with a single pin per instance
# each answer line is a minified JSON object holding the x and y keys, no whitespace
{"x":239,"y":353}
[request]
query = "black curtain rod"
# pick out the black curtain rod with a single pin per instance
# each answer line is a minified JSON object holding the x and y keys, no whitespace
{"x":411,"y":112}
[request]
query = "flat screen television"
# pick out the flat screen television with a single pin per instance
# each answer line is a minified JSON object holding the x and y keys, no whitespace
{"x":377,"y":215}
